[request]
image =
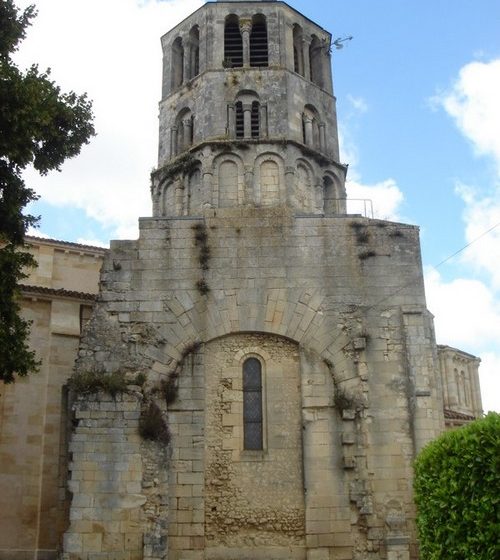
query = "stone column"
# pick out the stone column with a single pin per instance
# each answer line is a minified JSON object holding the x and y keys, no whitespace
{"x":308,"y":128}
{"x":476,"y":404}
{"x":247,"y":120}
{"x":307,"y":63}
{"x":248,"y":195}
{"x":322,"y":137}
{"x":187,"y":61}
{"x":264,"y":132}
{"x":207,"y":187}
{"x":231,"y":121}
{"x":245,"y":28}
{"x":289,"y":182}
{"x":173,"y":141}
{"x":188,"y":132}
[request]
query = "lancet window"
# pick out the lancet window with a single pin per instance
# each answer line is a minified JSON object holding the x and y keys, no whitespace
{"x":252,"y":405}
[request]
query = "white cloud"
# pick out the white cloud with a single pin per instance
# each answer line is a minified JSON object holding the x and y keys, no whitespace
{"x":482,"y":219}
{"x":473,"y":103}
{"x":467,"y":316}
{"x":358,"y":103}
{"x":381,"y":199}
{"x":112,"y":51}
{"x":489,"y":373}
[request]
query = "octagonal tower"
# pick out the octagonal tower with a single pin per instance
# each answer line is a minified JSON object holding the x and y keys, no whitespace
{"x":247,"y":116}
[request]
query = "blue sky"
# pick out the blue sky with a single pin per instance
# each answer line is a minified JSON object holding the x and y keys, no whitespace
{"x":417,"y":92}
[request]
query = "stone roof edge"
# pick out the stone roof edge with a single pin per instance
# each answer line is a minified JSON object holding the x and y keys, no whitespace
{"x":453,"y":415}
{"x":445,"y":347}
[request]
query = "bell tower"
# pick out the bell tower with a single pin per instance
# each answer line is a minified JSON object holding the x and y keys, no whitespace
{"x":247,"y":116}
{"x":281,"y":356}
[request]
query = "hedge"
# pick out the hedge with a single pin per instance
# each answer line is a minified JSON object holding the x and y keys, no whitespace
{"x":457,"y":492}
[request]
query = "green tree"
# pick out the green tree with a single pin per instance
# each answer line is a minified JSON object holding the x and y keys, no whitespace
{"x":42,"y":127}
{"x":457,"y":491}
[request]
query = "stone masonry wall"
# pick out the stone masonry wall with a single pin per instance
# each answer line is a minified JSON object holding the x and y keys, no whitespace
{"x":117,"y":481}
{"x":348,"y":292}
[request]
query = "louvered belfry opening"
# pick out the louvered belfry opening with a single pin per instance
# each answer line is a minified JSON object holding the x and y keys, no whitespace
{"x":255,"y":120}
{"x":240,"y":123}
{"x":233,"y":43}
{"x":258,"y":42}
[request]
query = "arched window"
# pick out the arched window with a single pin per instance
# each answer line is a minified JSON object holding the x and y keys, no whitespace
{"x":258,"y":42}
{"x":316,"y":61}
{"x":247,"y":115}
{"x":298,"y":51}
{"x":177,"y":63}
{"x":185,"y":131}
{"x":233,"y":43}
{"x":252,"y":404}
{"x":194,"y":51}
{"x":311,"y":128}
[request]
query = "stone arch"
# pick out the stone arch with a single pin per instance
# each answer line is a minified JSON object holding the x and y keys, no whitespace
{"x":312,"y":127}
{"x":247,"y":121}
{"x":177,"y":75}
{"x":298,"y":49}
{"x":259,"y":55}
{"x":269,"y":180}
{"x":228,"y":181}
{"x":233,"y":42}
{"x":184,"y":129}
{"x":194,"y":52}
{"x":302,"y":196}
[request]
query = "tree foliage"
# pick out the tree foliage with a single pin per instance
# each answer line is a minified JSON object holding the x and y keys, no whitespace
{"x":42,"y":127}
{"x":457,"y":491}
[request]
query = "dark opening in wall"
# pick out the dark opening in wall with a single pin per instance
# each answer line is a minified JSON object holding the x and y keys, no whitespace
{"x":177,"y":63}
{"x":240,"y":124}
{"x":233,"y":43}
{"x":255,"y":120}
{"x":194,"y":55}
{"x":316,"y":61}
{"x":258,"y":42}
{"x":298,"y":50}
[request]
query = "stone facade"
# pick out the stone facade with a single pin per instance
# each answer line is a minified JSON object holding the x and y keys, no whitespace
{"x":461,"y":391}
{"x":281,"y":363}
{"x":58,"y":297}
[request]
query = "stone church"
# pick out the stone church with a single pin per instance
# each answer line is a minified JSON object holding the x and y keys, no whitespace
{"x":280,"y":361}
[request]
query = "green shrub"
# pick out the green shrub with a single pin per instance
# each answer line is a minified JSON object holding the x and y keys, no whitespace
{"x":152,"y":425}
{"x":457,"y":491}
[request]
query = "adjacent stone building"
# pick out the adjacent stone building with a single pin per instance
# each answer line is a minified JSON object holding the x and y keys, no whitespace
{"x":281,"y":361}
{"x":58,"y":297}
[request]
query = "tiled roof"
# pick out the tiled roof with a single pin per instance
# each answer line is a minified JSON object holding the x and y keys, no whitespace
{"x":35,"y":239}
{"x":61,"y":292}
